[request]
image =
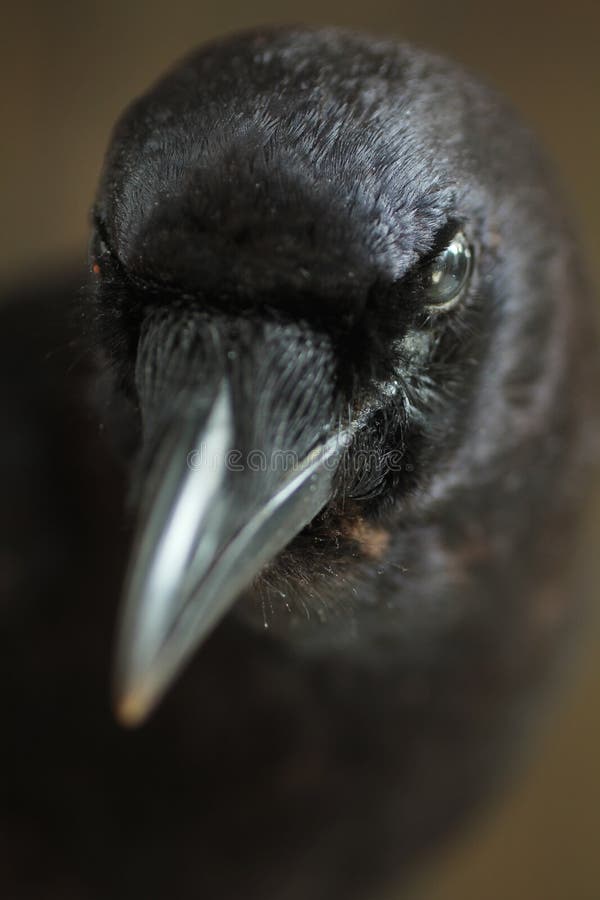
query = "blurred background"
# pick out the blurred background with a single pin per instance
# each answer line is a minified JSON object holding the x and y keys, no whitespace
{"x":66,"y":72}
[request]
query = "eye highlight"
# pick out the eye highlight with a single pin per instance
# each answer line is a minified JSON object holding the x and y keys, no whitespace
{"x":444,"y":279}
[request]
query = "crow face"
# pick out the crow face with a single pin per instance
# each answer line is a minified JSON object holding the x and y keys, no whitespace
{"x":331,"y":274}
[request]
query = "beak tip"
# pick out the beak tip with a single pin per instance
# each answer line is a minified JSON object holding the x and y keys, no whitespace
{"x":132,"y":707}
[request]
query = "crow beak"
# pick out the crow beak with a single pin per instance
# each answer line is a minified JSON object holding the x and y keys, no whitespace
{"x":211,"y":519}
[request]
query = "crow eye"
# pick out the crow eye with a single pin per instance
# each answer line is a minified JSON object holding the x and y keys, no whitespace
{"x":445,"y":278}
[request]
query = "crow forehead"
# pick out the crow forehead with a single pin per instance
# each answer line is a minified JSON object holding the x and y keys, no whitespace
{"x":279,"y":174}
{"x":270,"y":220}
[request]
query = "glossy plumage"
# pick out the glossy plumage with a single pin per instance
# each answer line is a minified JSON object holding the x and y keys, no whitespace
{"x":266,"y":209}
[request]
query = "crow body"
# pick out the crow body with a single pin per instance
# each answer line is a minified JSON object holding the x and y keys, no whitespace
{"x":266,"y":219}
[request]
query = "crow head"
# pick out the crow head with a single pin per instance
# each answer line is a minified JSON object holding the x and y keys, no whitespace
{"x":333,"y":276}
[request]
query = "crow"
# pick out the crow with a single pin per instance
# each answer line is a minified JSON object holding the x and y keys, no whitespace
{"x":324,"y":415}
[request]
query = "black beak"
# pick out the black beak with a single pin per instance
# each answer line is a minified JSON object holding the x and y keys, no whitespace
{"x":240,"y":424}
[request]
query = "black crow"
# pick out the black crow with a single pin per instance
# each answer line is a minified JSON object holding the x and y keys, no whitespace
{"x":341,"y":363}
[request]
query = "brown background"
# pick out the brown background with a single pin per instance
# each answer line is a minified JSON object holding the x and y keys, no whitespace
{"x":66,"y":71}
